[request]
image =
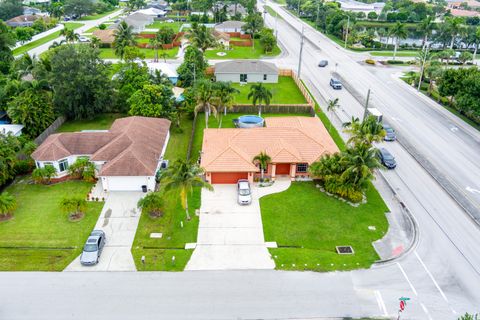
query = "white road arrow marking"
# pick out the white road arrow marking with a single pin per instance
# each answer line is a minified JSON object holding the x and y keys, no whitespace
{"x":454,"y":129}
{"x":470,"y":189}
{"x":396,"y":119}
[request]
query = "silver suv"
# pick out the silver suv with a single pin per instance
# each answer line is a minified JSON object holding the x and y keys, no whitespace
{"x":93,"y":248}
{"x":244,"y":192}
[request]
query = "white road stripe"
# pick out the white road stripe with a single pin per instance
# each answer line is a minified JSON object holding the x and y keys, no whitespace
{"x":426,"y":311}
{"x":381,"y":303}
{"x":408,"y":280}
{"x":431,"y":277}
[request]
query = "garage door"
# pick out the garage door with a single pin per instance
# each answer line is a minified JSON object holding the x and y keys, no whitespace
{"x":125,"y":183}
{"x":228,"y":177}
{"x":282,"y":168}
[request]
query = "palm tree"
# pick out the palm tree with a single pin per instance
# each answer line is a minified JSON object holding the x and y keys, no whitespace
{"x":359,"y":163}
{"x":124,"y":37}
{"x":331,"y":107}
{"x":225,"y":94}
{"x":454,"y":26}
{"x":433,"y":71}
{"x":398,"y":32}
{"x":204,"y":94}
{"x":426,"y":27}
{"x":153,"y":203}
{"x":446,"y":55}
{"x":155,"y":44}
{"x":74,"y":206}
{"x":365,"y":132}
{"x":259,"y":94}
{"x":201,"y":37}
{"x":70,"y":35}
{"x":164,"y":56}
{"x":253,"y":24}
{"x":95,"y":42}
{"x":477,"y":40}
{"x":8,"y":203}
{"x":262,"y":159}
{"x":183,"y":176}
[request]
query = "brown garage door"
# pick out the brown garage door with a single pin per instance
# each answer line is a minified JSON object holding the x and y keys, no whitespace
{"x":228,"y":177}
{"x":282,"y":168}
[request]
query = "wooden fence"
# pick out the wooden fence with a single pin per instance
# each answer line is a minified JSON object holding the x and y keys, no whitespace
{"x":51,"y":129}
{"x":274,"y":108}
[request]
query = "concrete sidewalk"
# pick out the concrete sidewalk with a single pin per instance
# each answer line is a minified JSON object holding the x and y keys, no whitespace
{"x":119,"y":220}
{"x":230,"y":236}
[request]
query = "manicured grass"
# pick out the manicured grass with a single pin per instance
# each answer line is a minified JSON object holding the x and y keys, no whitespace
{"x":242,"y":52}
{"x":50,"y":37}
{"x":40,"y":237}
{"x":158,"y":24}
{"x":91,"y":30}
{"x":272,"y":12}
{"x":307,"y":226}
{"x":158,"y":252}
{"x":384,"y":24}
{"x":406,"y":53}
{"x":101,"y":122}
{"x":98,"y":16}
{"x":109,"y":53}
{"x":284,"y":92}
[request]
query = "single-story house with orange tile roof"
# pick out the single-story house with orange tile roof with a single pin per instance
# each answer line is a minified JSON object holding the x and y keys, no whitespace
{"x":293,"y":143}
{"x":126,"y":157}
{"x":106,"y":36}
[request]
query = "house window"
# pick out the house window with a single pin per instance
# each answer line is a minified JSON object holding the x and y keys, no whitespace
{"x":63,"y":165}
{"x":302,"y":167}
{"x":264,"y":77}
{"x":46,"y":164}
{"x":243,"y":77}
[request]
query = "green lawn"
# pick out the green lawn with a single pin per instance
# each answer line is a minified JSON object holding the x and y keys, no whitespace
{"x":50,"y":37}
{"x":272,"y":12}
{"x":91,"y":30}
{"x":98,"y":16}
{"x":406,"y":53}
{"x":40,"y":237}
{"x":158,"y":24}
{"x":307,"y":225}
{"x":158,"y":252}
{"x":284,"y":92}
{"x":109,"y":53}
{"x":242,"y":52}
{"x":100,"y":122}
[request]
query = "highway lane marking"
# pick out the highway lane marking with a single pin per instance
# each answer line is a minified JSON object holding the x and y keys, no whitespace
{"x":426,"y":311}
{"x":408,"y":280}
{"x":454,"y":129}
{"x":431,"y":277}
{"x":381,"y":303}
{"x":472,"y":190}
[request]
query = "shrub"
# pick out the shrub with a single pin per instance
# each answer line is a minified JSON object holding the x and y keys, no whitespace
{"x":82,"y":168}
{"x":395,"y":62}
{"x":44,"y":175}
{"x":370,"y":61}
{"x":8,"y":203}
{"x":74,"y":206}
{"x":102,"y":26}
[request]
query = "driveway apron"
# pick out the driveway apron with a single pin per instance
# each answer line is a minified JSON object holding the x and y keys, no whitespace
{"x":119,"y":220}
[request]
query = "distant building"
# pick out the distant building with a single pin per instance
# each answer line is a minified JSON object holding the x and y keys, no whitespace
{"x":222,"y":37}
{"x":13,"y":129}
{"x":25,"y":20}
{"x":244,"y":71}
{"x":230,"y":26}
{"x":138,"y":21}
{"x":464,"y":13}
{"x":356,"y":6}
{"x":106,"y":36}
{"x":153,"y":12}
{"x":30,"y":10}
{"x":165,"y":68}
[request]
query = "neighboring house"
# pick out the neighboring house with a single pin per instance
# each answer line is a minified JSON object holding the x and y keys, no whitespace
{"x":464,"y":13}
{"x":153,"y":12}
{"x":30,"y":11}
{"x":138,"y":21}
{"x":13,"y":129}
{"x":473,"y":4}
{"x":357,"y":6}
{"x":25,"y":20}
{"x":126,"y":157}
{"x":162,"y":5}
{"x":230,"y":26}
{"x":106,"y":36}
{"x":230,"y":8}
{"x":244,"y":71}
{"x":222,"y":38}
{"x":293,"y":143}
{"x":166,"y":68}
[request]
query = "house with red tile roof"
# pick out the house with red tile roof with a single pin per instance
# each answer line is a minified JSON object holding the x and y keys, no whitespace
{"x":293,"y":143}
{"x":126,"y":157}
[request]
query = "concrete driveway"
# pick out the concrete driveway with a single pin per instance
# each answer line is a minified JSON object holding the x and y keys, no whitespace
{"x":119,"y":220}
{"x":230,"y":236}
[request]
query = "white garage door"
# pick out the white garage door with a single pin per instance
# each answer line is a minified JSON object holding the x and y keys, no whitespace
{"x":127,"y":183}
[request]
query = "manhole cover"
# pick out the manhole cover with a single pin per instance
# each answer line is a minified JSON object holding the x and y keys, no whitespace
{"x":344,"y":250}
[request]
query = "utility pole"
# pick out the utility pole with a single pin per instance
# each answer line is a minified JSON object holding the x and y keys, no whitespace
{"x":298,"y":9}
{"x":300,"y":56}
{"x":318,"y":12}
{"x":346,"y":33}
{"x":422,"y":69}
{"x":366,"y":105}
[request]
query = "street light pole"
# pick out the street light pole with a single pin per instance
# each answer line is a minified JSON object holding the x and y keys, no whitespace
{"x":318,"y":12}
{"x":366,"y":105}
{"x":300,"y":56}
{"x":346,"y":33}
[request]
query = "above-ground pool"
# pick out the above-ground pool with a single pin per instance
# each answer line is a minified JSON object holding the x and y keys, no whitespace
{"x":250,"y":121}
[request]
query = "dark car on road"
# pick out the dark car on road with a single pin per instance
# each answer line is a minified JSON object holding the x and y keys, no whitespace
{"x":323,"y":63}
{"x":386,"y":158}
{"x":390,"y":133}
{"x":335,"y":84}
{"x":93,"y":248}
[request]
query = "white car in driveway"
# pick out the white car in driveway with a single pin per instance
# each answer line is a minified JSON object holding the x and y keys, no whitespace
{"x":244,"y":192}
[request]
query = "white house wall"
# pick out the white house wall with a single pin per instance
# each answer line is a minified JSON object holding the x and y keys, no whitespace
{"x":251,"y":78}
{"x":127,"y":183}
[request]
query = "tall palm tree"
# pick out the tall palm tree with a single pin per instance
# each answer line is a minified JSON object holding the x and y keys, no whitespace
{"x":365,"y":132}
{"x":183,"y":176}
{"x":253,"y":24}
{"x":204,"y":95}
{"x":398,"y":31}
{"x":426,"y":27}
{"x":155,"y":44}
{"x":7,"y":203}
{"x":225,"y":94}
{"x":445,"y":55}
{"x":124,"y":37}
{"x":70,"y":35}
{"x":262,"y":159}
{"x":95,"y":42}
{"x":164,"y":56}
{"x":259,"y":94}
{"x":454,"y":26}
{"x":201,"y":37}
{"x":359,"y":163}
{"x":331,"y":107}
{"x":433,"y":71}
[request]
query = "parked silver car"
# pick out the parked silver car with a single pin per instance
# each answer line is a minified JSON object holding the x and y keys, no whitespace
{"x":244,"y":192}
{"x":93,"y":248}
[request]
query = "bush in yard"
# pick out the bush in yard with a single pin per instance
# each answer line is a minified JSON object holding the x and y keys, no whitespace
{"x":82,"y":168}
{"x":44,"y":175}
{"x":24,"y":166}
{"x":152,"y":203}
{"x":395,"y":62}
{"x":267,"y":39}
{"x":102,"y":26}
{"x":74,"y":206}
{"x":370,"y":61}
{"x":8,"y":204}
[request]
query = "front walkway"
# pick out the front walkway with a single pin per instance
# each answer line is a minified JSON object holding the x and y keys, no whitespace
{"x":119,"y":220}
{"x":230,"y":236}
